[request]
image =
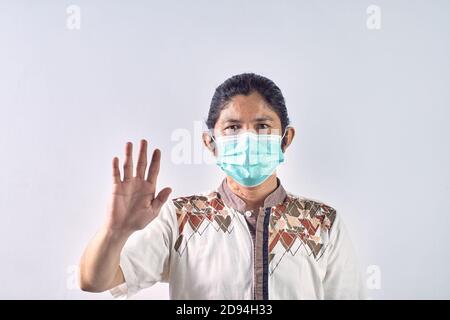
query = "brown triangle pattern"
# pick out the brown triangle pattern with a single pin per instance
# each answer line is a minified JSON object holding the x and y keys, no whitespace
{"x":298,"y":222}
{"x":200,"y":212}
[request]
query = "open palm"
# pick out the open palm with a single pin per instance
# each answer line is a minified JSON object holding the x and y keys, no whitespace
{"x":133,"y":203}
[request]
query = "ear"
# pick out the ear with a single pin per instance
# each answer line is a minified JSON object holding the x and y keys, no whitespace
{"x":288,"y":137}
{"x":208,"y":142}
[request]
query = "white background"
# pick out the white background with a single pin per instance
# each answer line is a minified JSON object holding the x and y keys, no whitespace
{"x":371,"y":109}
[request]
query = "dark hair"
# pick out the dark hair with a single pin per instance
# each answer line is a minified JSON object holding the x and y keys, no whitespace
{"x":247,"y":83}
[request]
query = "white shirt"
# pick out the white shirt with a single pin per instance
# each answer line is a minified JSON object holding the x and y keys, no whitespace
{"x":202,"y":246}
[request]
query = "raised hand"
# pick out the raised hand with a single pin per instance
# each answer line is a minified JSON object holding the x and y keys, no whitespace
{"x":133,"y":203}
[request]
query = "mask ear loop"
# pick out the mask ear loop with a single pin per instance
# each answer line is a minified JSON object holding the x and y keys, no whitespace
{"x":213,"y":139}
{"x":282,"y":137}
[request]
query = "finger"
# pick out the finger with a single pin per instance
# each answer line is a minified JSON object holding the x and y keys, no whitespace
{"x":161,"y":198}
{"x":154,"y":168}
{"x":128,"y":164}
{"x":115,"y":170}
{"x":142,"y":160}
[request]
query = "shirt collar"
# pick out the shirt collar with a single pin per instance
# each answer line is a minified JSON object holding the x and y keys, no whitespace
{"x":233,"y":201}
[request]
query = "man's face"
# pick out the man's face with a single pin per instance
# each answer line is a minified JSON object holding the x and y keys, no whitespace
{"x":247,"y":114}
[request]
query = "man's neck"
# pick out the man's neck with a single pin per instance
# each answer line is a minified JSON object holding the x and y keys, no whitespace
{"x":254,"y":196}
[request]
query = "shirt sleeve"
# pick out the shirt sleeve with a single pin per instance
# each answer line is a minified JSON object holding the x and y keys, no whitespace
{"x":145,"y":257}
{"x":343,"y":278}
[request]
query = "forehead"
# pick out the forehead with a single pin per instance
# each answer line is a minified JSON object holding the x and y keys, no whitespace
{"x":247,"y":108}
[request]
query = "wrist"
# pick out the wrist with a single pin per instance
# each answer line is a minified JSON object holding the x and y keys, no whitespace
{"x":116,"y":234}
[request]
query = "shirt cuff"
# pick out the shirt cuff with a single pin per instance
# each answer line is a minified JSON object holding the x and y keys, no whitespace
{"x":128,"y":288}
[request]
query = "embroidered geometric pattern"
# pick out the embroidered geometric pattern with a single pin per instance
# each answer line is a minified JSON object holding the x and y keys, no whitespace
{"x":299,"y":222}
{"x":293,"y":224}
{"x":200,"y":212}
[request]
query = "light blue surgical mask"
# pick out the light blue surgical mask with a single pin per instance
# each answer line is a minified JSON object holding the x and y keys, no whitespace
{"x":249,"y":158}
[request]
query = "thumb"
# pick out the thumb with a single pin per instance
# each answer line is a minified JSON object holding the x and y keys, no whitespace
{"x":161,"y":198}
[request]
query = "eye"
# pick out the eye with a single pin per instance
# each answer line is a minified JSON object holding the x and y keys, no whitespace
{"x":233,"y":129}
{"x":262,"y":127}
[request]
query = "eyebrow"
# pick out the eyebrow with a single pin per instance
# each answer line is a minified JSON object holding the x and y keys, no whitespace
{"x":230,"y":120}
{"x":259,"y":119}
{"x":264,"y":118}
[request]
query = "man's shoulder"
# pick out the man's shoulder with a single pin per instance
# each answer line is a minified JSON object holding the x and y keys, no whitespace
{"x":198,"y":202}
{"x":309,"y":208}
{"x":308,"y":201}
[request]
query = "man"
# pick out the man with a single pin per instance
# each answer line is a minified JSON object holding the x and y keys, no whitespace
{"x":247,"y":239}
